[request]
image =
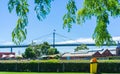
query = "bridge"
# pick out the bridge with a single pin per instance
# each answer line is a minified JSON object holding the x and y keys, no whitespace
{"x":53,"y":44}
{"x":56,"y":45}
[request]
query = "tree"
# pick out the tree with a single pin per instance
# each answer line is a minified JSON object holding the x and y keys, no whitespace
{"x":29,"y":53}
{"x":81,"y":47}
{"x":39,"y":49}
{"x":101,"y":9}
{"x":52,"y":51}
{"x":42,"y":8}
{"x":44,"y":48}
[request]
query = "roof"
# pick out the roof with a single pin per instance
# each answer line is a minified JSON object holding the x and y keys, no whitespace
{"x":88,"y":53}
{"x":107,"y":53}
{"x":6,"y":54}
{"x":77,"y":54}
{"x":113,"y":51}
{"x":97,"y":54}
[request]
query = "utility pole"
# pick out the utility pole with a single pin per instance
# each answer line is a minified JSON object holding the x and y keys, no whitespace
{"x":11,"y":50}
{"x":54,"y":38}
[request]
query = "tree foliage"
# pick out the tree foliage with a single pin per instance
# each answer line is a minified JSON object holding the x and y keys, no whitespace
{"x":21,"y":7}
{"x":42,"y":8}
{"x":29,"y":53}
{"x":81,"y":47}
{"x":70,"y":17}
{"x":52,"y":51}
{"x":39,"y":50}
{"x":101,"y":9}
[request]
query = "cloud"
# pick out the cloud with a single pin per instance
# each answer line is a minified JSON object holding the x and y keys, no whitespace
{"x":116,"y":38}
{"x":6,"y":43}
{"x":84,"y":40}
{"x":80,"y":40}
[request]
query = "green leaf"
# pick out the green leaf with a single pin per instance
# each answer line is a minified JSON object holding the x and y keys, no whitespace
{"x":21,"y":7}
{"x":11,"y":5}
{"x":70,"y":17}
{"x":42,"y":8}
{"x":101,"y":9}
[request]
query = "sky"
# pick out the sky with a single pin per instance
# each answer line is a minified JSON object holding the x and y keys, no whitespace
{"x":39,"y":31}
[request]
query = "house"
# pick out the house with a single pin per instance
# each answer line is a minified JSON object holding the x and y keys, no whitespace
{"x":88,"y":54}
{"x":97,"y":54}
{"x":6,"y":55}
{"x":107,"y":53}
{"x":75,"y":56}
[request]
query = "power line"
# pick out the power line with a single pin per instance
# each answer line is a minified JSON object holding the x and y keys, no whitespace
{"x":66,"y":37}
{"x":43,"y":36}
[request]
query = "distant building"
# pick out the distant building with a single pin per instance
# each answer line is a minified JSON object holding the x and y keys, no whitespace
{"x":103,"y":54}
{"x":70,"y":56}
{"x":7,"y":55}
{"x":106,"y":53}
{"x":97,"y":54}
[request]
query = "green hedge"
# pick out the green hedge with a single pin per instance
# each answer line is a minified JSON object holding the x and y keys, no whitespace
{"x":45,"y":67}
{"x":36,"y":66}
{"x":109,"y":67}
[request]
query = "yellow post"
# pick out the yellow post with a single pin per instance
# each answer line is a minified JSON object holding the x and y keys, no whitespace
{"x":93,"y":66}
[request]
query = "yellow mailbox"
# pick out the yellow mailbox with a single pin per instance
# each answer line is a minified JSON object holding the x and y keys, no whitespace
{"x":93,"y":66}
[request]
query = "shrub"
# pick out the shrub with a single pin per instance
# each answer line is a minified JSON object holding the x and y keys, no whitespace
{"x":106,"y":66}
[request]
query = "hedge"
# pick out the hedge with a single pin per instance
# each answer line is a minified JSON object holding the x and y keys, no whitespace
{"x":36,"y":66}
{"x":109,"y":67}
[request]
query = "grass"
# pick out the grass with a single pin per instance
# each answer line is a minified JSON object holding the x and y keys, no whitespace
{"x":37,"y":73}
{"x":47,"y":73}
{"x":59,"y":61}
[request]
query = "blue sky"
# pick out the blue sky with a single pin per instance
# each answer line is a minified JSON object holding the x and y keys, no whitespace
{"x":80,"y":33}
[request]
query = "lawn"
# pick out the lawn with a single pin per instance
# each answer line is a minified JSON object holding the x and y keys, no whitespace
{"x":37,"y":73}
{"x":47,"y":73}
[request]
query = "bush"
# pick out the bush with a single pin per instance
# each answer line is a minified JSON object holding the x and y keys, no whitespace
{"x":44,"y":66}
{"x":108,"y":66}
